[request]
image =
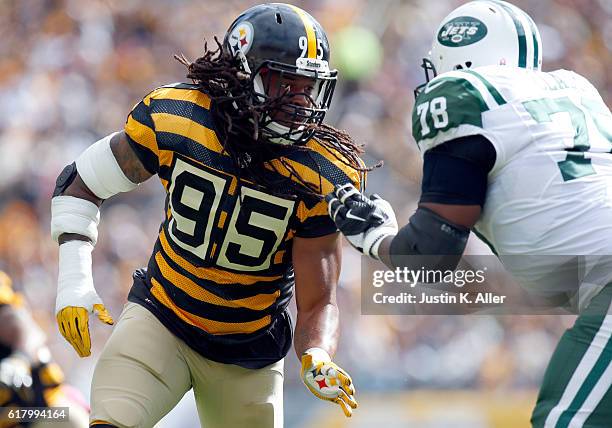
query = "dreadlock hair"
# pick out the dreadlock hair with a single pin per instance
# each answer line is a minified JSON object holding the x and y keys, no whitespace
{"x":218,"y":74}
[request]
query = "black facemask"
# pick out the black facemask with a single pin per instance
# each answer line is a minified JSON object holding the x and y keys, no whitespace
{"x":296,"y":118}
{"x":430,"y":73}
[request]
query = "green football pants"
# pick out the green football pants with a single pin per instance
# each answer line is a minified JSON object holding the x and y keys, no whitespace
{"x":576,"y":391}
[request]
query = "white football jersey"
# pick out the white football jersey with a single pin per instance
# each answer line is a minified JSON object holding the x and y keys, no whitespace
{"x":550,"y":190}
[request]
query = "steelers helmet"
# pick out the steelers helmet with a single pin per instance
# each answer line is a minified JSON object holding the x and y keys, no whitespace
{"x":285,"y":40}
{"x":481,"y":33}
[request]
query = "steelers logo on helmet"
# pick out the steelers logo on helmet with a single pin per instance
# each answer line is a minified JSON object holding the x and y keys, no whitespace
{"x":462,"y":31}
{"x":241,"y":38}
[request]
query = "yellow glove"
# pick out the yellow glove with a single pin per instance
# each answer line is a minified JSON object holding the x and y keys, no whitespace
{"x":73,"y":322}
{"x":327,"y":381}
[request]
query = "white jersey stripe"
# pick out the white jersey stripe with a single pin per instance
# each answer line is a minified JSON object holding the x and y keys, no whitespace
{"x":583,"y":369}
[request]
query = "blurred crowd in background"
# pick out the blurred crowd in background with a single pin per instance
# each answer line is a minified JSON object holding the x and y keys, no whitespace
{"x":71,"y":70}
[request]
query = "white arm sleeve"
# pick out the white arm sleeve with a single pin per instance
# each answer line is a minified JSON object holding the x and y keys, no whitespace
{"x":100,"y":171}
{"x":74,"y":215}
{"x":75,"y":280}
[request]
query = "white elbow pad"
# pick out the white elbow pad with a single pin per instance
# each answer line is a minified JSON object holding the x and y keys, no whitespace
{"x":100,"y":171}
{"x":74,"y":215}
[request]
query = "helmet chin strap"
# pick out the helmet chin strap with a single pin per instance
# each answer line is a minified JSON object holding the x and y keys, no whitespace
{"x":281,"y":129}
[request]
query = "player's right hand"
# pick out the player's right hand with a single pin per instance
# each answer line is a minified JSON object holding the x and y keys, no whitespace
{"x":327,"y":381}
{"x":73,"y":323}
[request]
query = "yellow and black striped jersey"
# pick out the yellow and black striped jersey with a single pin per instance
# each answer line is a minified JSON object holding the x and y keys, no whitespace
{"x":220,"y":276}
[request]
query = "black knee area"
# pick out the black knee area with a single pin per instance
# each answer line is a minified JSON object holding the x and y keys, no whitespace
{"x":102,"y":425}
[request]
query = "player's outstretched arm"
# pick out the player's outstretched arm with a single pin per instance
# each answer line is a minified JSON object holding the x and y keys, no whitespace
{"x":369,"y":224}
{"x":106,"y":168}
{"x":449,"y":225}
{"x":316,"y":263}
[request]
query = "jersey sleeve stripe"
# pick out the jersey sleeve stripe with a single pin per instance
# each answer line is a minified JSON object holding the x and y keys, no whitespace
{"x":148,"y":158}
{"x":192,"y":149}
{"x":459,"y":84}
{"x":303,"y":211}
{"x":141,"y":134}
{"x":318,"y":231}
{"x":185,"y":127}
{"x":307,"y":174}
{"x":331,"y":173}
{"x":332,"y":155}
{"x":165,"y":158}
{"x":210,"y":326}
{"x":316,"y":227}
{"x":140,"y":131}
{"x":186,"y":109}
{"x":182,"y":93}
{"x":466,"y":99}
{"x":490,"y":88}
{"x":319,"y":209}
{"x":141,"y":114}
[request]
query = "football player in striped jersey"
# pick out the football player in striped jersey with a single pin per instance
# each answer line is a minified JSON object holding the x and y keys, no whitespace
{"x":245,"y":160}
{"x":524,"y":158}
{"x":28,"y":376}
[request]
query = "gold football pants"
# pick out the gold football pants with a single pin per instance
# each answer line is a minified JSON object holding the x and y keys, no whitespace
{"x":144,"y":371}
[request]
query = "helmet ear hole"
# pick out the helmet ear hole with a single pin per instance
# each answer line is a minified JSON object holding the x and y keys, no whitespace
{"x":468,"y":64}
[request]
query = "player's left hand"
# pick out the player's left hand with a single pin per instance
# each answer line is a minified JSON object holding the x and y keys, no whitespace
{"x":364,"y":221}
{"x":327,"y":381}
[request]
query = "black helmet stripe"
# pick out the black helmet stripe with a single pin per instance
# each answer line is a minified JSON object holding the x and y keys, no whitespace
{"x":310,"y":31}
